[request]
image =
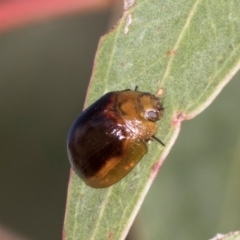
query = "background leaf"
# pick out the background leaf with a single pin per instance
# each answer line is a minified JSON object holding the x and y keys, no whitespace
{"x":190,"y":50}
{"x":228,"y":236}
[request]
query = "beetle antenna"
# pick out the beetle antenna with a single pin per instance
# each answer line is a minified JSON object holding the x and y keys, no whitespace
{"x":136,"y":88}
{"x":158,"y":140}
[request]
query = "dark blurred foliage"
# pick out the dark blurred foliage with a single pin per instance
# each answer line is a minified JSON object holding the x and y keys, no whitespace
{"x":44,"y":74}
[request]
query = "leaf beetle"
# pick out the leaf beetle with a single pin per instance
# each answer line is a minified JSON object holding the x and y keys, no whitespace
{"x":109,"y":137}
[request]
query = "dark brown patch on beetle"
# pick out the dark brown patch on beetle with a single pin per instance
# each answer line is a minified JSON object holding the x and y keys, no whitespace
{"x":95,"y":141}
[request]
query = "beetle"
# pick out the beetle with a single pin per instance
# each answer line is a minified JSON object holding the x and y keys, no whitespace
{"x":109,"y":137}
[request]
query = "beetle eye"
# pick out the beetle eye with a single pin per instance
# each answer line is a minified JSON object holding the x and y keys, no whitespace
{"x":152,"y":115}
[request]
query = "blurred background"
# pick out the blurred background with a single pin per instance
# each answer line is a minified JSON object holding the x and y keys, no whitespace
{"x":44,"y":73}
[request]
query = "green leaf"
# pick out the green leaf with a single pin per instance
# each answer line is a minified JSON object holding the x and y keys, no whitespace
{"x":228,"y":236}
{"x":188,"y":49}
